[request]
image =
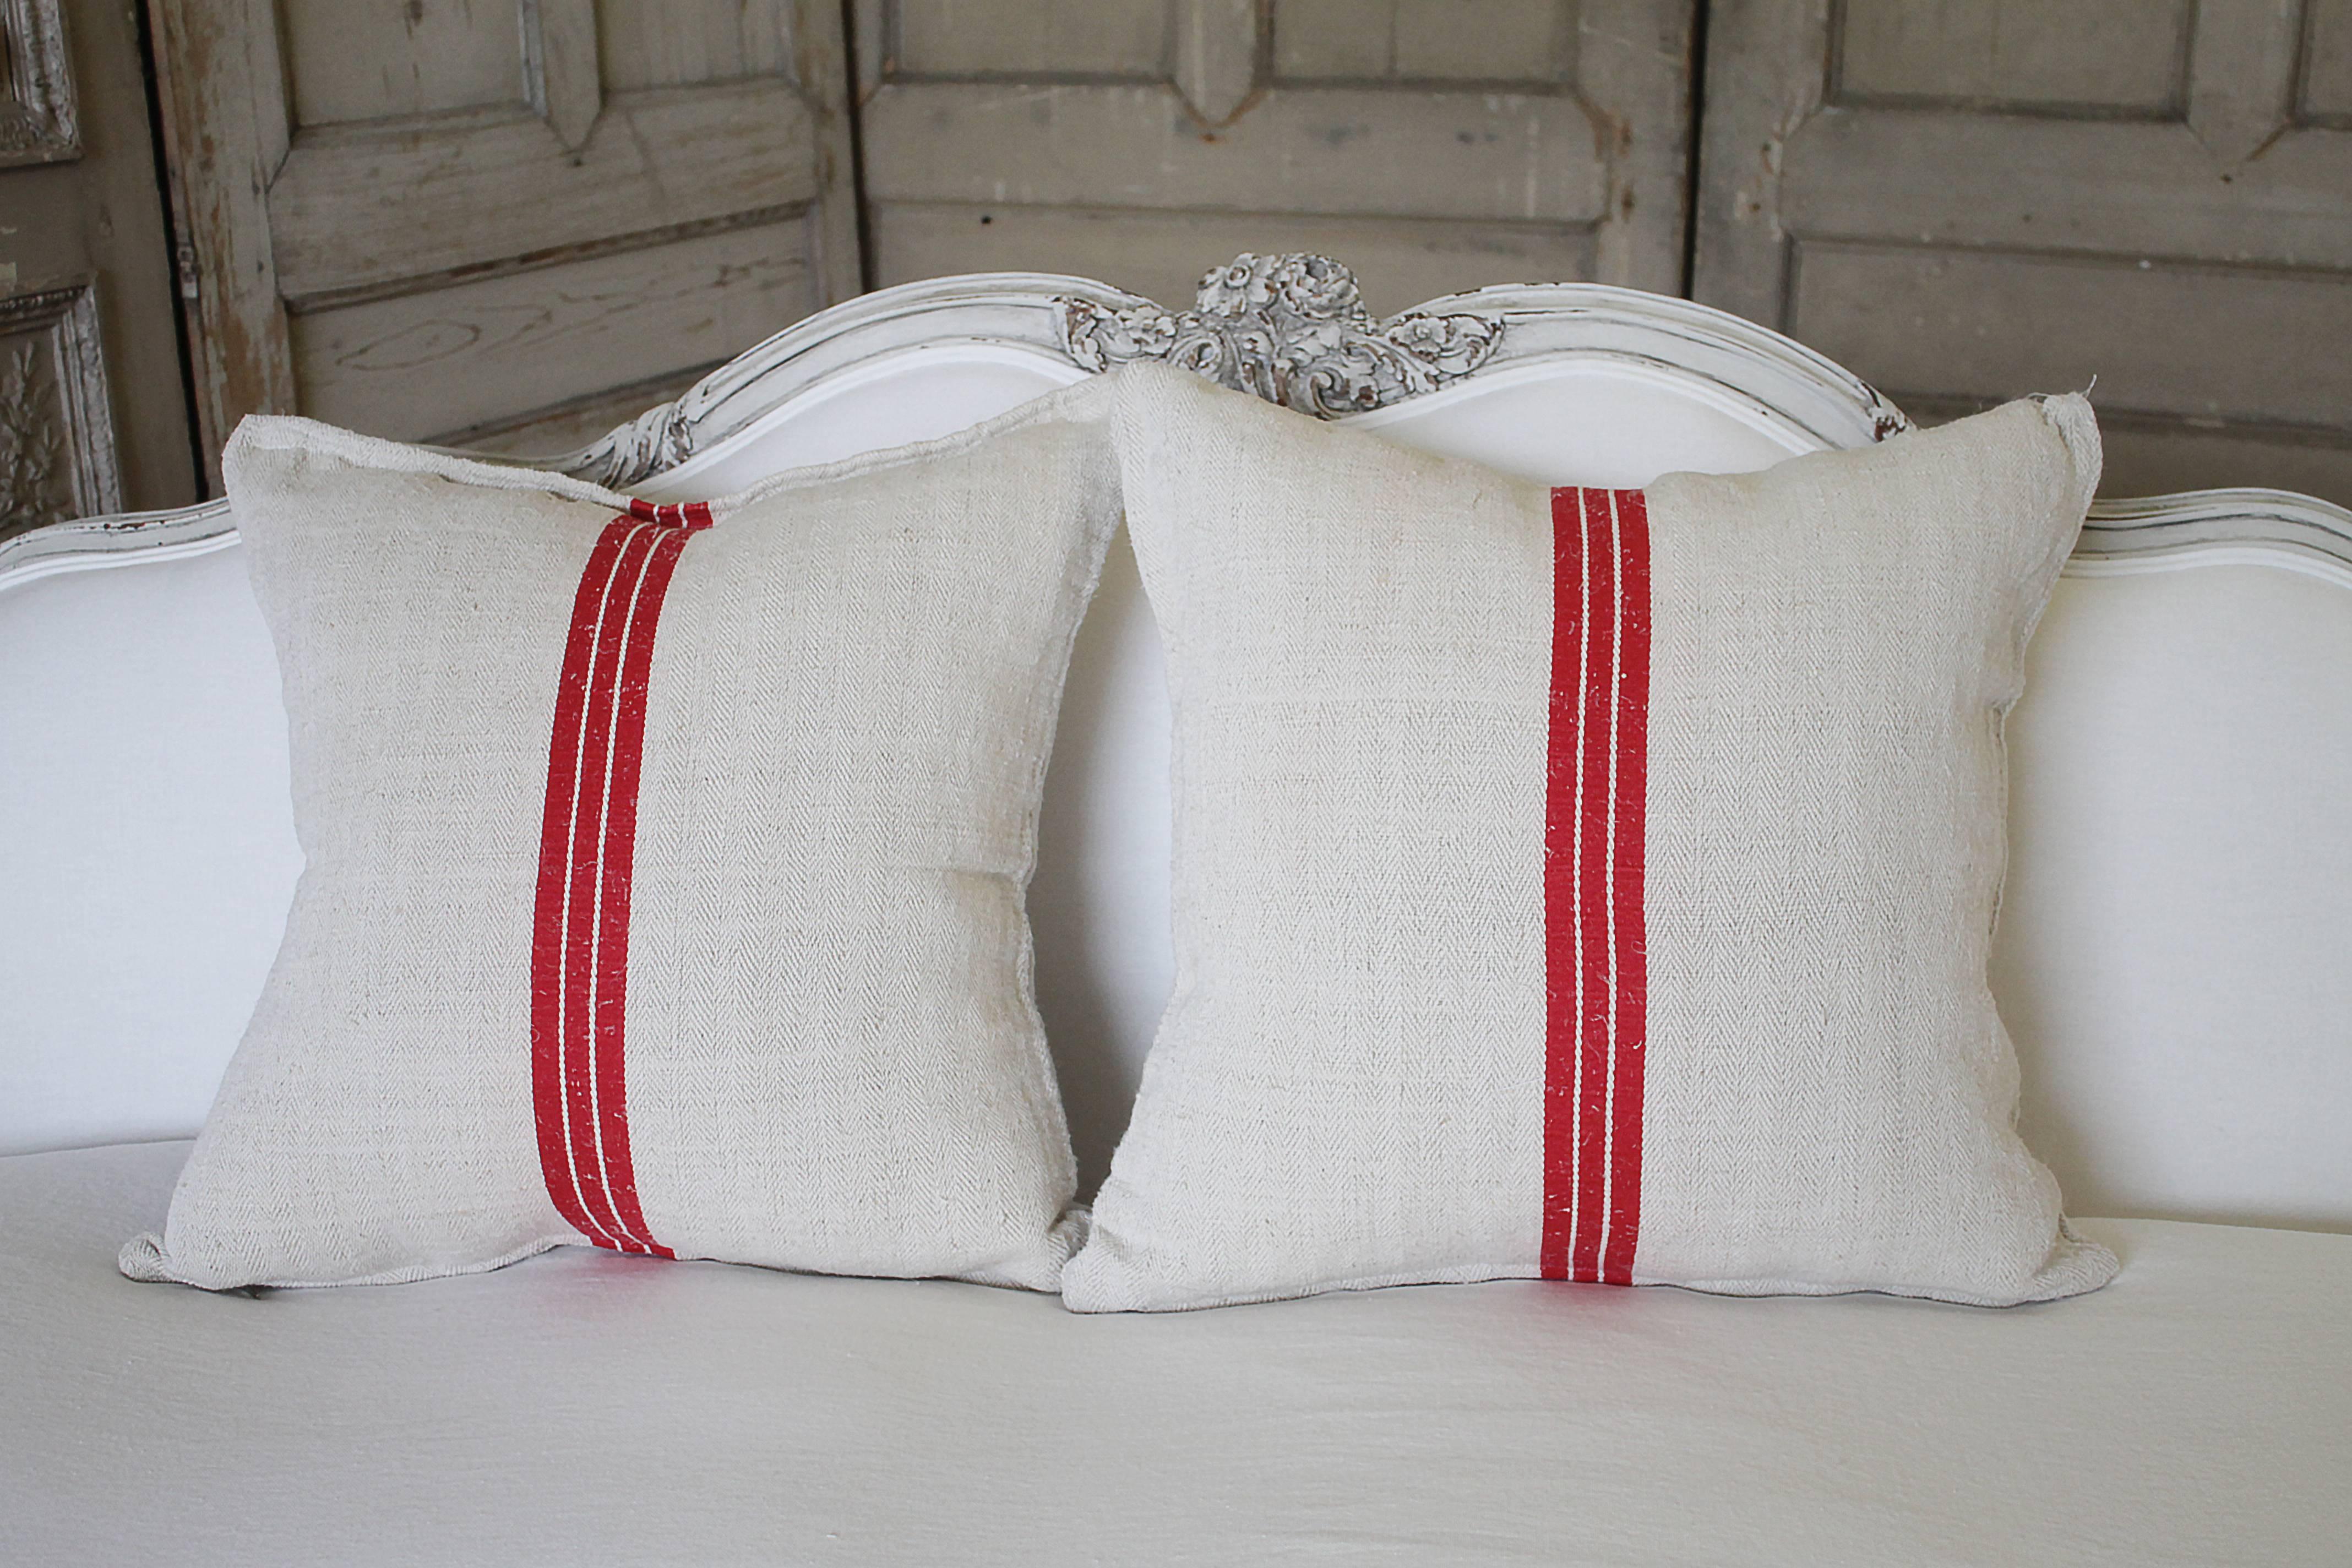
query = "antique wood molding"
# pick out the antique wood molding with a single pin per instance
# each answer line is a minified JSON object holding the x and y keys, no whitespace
{"x":1292,"y":329}
{"x":39,"y":122}
{"x":54,"y":407}
{"x":2216,"y":527}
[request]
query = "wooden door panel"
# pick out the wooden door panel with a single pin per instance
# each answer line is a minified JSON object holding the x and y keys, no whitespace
{"x":2115,"y":57}
{"x":1158,"y":254}
{"x":1971,"y":199}
{"x":1437,"y":144}
{"x":687,"y":43}
{"x":2325,"y":92}
{"x":2132,"y":327}
{"x":485,"y":349}
{"x":1322,"y":150}
{"x":364,"y":210}
{"x":1073,"y":38}
{"x":358,"y":60}
{"x":93,"y":414}
{"x":463,"y":216}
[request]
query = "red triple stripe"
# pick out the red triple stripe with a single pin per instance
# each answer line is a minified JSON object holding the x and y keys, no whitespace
{"x":1596,"y":968}
{"x":587,"y":853}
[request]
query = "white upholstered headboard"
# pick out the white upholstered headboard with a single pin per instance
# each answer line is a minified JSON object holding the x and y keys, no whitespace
{"x":2173,"y":947}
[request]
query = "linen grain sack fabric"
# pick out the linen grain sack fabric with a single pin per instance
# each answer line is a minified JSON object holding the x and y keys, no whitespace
{"x":1581,"y":884}
{"x":666,"y":865}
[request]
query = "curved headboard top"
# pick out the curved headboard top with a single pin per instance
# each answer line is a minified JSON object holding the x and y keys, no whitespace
{"x":2171,"y":948}
{"x":1290,"y":328}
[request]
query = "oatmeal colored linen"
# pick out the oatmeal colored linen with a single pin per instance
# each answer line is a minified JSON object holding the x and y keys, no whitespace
{"x":665,"y":866}
{"x":1584,"y":884}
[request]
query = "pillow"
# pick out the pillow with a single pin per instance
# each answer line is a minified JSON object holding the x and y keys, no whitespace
{"x":666,"y":865}
{"x":1585,"y":884}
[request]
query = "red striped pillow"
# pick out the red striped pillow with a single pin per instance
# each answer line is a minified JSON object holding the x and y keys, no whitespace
{"x":1585,"y":884}
{"x":666,"y":865}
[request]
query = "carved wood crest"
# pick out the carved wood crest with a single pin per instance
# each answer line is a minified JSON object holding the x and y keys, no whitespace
{"x":656,"y":439}
{"x":1292,"y":330}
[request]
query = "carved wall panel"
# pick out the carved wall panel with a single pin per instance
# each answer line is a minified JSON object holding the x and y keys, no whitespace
{"x":56,"y":427}
{"x":39,"y":122}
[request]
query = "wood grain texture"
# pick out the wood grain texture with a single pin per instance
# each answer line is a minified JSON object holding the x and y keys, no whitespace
{"x":1412,"y":153}
{"x":1218,"y":44}
{"x":455,"y":155}
{"x":2155,"y":455}
{"x":367,"y":59}
{"x":357,"y":212}
{"x":222,"y":117}
{"x":2097,"y":186}
{"x":2194,"y":252}
{"x":562,"y":70}
{"x":1568,"y":119}
{"x":1517,"y":41}
{"x":684,"y":43}
{"x":421,"y":366}
{"x":2117,"y":56}
{"x":1158,"y":254}
{"x":2241,"y":72}
{"x":2324,"y":93}
{"x":1014,"y":38}
{"x":2255,"y":345}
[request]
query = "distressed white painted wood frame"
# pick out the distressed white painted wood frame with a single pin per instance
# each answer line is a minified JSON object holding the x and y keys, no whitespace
{"x":1525,"y":331}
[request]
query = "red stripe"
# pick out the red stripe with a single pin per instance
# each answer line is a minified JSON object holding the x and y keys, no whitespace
{"x":554,"y":860}
{"x":620,"y":865}
{"x":1595,"y":973}
{"x":1631,"y":868}
{"x":587,"y":891}
{"x":587,"y":857}
{"x":1561,"y":770}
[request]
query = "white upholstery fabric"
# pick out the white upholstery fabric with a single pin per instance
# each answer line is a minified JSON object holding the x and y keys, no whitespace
{"x":585,"y":1408}
{"x":1360,"y":1077}
{"x":767,"y":998}
{"x":2175,"y":951}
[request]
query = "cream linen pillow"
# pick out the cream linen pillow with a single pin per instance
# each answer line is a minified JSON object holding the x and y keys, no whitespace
{"x":665,"y":866}
{"x":1585,"y":884}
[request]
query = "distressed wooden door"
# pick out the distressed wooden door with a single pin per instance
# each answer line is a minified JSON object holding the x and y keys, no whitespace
{"x":1967,"y":199}
{"x":504,"y":223}
{"x":92,"y":414}
{"x":1431,"y":145}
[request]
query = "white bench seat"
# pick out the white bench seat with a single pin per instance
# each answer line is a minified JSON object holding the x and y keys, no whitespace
{"x":587,"y":1408}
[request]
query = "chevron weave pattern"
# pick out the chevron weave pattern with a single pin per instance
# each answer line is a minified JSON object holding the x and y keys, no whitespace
{"x":666,"y":865}
{"x":1593,"y":885}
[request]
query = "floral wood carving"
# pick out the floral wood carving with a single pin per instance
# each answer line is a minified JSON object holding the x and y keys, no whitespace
{"x":57,"y":457}
{"x":1291,"y":329}
{"x":29,"y":446}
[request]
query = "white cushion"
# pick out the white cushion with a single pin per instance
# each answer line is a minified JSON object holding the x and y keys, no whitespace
{"x":590,"y":1408}
{"x":1584,"y":885}
{"x":735,"y":964}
